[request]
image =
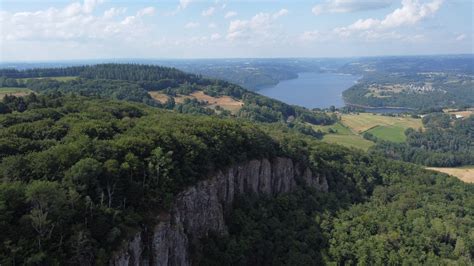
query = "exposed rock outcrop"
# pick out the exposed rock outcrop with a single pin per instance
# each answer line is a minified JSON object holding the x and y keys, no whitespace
{"x":200,"y":209}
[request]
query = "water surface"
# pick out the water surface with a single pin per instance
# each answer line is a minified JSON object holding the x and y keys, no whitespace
{"x":312,"y":90}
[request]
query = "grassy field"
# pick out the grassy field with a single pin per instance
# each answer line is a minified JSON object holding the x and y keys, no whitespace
{"x":390,"y":133}
{"x":349,"y":131}
{"x":343,"y":136}
{"x":465,"y":173}
{"x":362,"y":122}
{"x":13,"y":91}
{"x":351,"y":141}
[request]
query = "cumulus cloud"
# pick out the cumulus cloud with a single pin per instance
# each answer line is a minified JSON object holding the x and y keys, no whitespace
{"x":230,"y":14}
{"x":114,"y":12}
{"x":191,"y":25}
{"x":258,"y":26}
{"x":212,"y":26}
{"x":208,"y":12}
{"x":411,"y":12}
{"x":89,"y":5}
{"x":147,"y":11}
{"x":75,"y":21}
{"x":346,"y":6}
{"x":282,"y":12}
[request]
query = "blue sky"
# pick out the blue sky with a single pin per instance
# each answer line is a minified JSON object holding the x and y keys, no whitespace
{"x":33,"y":30}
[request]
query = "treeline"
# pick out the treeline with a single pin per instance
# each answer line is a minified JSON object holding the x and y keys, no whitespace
{"x":42,"y":72}
{"x":446,"y":142}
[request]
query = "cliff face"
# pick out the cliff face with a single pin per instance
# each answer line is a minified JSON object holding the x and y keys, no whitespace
{"x":200,"y":210}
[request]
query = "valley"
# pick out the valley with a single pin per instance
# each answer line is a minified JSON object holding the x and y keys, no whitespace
{"x":195,"y":164}
{"x":240,"y":133}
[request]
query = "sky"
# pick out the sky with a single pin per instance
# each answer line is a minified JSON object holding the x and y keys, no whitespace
{"x":48,"y":30}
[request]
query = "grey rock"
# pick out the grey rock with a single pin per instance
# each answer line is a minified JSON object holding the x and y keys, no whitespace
{"x":200,"y":210}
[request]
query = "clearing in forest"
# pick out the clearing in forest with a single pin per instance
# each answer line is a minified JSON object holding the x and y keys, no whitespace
{"x":339,"y":134}
{"x":62,"y":78}
{"x":159,"y":96}
{"x":14,"y":91}
{"x":464,"y":113}
{"x":226,"y":102}
{"x":465,"y":173}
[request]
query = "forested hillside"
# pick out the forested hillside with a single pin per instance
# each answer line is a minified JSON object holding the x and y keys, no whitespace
{"x":82,"y":170}
{"x":446,"y":142}
{"x":133,"y":82}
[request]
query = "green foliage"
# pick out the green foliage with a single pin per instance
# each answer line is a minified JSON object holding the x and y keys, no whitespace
{"x":81,"y":174}
{"x":78,"y":177}
{"x":446,"y":142}
{"x":426,"y":219}
{"x":132,"y":82}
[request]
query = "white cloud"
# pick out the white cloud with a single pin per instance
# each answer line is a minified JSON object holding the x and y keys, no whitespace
{"x":147,"y":11}
{"x":89,"y":5}
{"x":212,"y":26}
{"x":208,"y":12}
{"x":215,"y":36}
{"x":410,"y":13}
{"x":281,"y":13}
{"x":259,"y":26}
{"x":230,"y":14}
{"x":184,"y":3}
{"x":346,"y":6}
{"x":461,"y":37}
{"x":191,"y":25}
{"x":73,"y":22}
{"x":114,"y":12}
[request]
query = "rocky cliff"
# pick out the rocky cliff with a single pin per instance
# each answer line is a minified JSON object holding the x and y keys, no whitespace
{"x":200,"y":210}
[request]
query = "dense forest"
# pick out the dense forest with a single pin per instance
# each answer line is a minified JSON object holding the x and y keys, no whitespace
{"x":84,"y":168}
{"x":79,"y":175}
{"x":445,"y":142}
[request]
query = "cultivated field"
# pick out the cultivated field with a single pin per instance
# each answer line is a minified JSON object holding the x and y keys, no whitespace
{"x":349,"y":131}
{"x":466,"y":173}
{"x":464,"y":114}
{"x":362,"y":122}
{"x":13,"y":91}
{"x":159,"y":96}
